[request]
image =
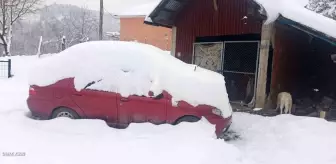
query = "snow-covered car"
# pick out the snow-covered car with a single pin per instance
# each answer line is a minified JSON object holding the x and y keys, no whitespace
{"x":123,"y":83}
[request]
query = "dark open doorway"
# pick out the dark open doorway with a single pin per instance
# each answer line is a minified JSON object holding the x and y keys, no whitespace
{"x":304,"y":68}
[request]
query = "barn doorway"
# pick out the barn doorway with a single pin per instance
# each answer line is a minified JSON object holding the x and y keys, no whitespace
{"x":304,"y":67}
{"x":240,"y":69}
{"x":236,"y":57}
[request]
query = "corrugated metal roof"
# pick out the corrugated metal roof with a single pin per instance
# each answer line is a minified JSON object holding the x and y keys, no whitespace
{"x":164,"y":14}
{"x":307,"y":29}
{"x":173,"y":5}
{"x":167,"y":10}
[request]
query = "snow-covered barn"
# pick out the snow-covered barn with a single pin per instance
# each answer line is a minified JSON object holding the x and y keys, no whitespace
{"x":132,"y":27}
{"x":262,"y":47}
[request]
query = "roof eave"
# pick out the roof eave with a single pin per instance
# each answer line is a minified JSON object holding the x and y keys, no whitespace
{"x":306,"y":29}
{"x":156,"y":24}
{"x":129,"y":16}
{"x":165,"y":12}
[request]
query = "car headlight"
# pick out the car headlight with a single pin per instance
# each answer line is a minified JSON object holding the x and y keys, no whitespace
{"x":217,"y":112}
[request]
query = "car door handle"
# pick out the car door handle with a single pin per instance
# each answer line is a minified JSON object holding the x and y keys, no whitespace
{"x":77,"y":94}
{"x":124,"y":99}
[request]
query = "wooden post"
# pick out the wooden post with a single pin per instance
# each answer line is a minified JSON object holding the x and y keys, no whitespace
{"x":266,"y":35}
{"x":39,"y":47}
{"x":173,"y":45}
{"x":101,"y":19}
{"x":9,"y":68}
{"x":63,"y":46}
{"x":215,"y":5}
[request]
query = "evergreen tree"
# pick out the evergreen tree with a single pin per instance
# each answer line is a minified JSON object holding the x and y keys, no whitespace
{"x":324,"y":7}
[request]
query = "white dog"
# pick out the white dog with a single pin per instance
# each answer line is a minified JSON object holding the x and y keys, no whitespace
{"x":284,"y":103}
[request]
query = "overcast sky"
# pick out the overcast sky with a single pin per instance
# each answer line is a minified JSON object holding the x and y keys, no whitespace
{"x":113,"y":6}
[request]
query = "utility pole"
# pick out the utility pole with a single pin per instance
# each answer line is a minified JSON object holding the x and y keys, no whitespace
{"x":101,"y":19}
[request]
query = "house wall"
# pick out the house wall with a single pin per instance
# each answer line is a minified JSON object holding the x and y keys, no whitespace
{"x":200,"y":19}
{"x":132,"y":29}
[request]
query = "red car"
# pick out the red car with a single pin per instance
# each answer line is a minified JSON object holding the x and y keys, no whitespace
{"x":63,"y":100}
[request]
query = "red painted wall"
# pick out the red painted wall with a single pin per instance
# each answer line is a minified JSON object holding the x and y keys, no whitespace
{"x":134,"y":29}
{"x":288,"y":46}
{"x":199,"y":19}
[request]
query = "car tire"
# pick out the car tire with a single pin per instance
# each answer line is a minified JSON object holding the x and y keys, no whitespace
{"x":64,"y":112}
{"x":187,"y":119}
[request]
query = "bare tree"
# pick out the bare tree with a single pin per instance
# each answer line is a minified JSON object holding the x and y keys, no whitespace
{"x":82,"y":25}
{"x":11,"y":11}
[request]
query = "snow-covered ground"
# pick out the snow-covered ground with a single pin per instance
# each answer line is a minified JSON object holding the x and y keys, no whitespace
{"x":278,"y":140}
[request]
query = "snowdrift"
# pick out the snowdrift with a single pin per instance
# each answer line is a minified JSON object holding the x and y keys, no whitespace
{"x":283,"y":139}
{"x":131,"y":68}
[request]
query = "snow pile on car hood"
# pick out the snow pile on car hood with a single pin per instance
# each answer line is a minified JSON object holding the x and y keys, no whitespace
{"x":131,"y":68}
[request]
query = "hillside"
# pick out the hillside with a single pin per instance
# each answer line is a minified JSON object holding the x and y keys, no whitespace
{"x":55,"y":21}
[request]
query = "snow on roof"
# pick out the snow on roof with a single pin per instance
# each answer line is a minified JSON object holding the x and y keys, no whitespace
{"x":295,"y":10}
{"x":131,"y":68}
{"x":113,"y":33}
{"x":140,"y":10}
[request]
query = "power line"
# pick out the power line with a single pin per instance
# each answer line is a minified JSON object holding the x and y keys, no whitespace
{"x":108,"y":12}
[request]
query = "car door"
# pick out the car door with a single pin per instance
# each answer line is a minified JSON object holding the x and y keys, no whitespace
{"x":97,"y":104}
{"x":138,"y":109}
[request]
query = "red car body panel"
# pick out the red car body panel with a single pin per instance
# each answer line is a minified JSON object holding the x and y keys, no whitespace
{"x":142,"y":109}
{"x":115,"y":109}
{"x":97,"y":105}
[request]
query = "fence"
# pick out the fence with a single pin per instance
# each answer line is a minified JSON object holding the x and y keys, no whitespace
{"x":5,"y":68}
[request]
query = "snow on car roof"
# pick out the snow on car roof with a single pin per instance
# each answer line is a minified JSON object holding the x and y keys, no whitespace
{"x":131,"y":68}
{"x":295,"y":10}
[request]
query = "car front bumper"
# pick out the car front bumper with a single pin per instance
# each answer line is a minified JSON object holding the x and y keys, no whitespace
{"x":222,"y":124}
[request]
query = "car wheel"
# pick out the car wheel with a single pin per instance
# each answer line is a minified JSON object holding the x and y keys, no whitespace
{"x":187,"y":119}
{"x":65,"y":112}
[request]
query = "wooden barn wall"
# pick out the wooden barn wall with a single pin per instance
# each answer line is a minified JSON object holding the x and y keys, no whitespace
{"x":290,"y":45}
{"x":200,"y":19}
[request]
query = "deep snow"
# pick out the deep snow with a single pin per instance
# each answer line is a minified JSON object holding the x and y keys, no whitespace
{"x":263,"y":140}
